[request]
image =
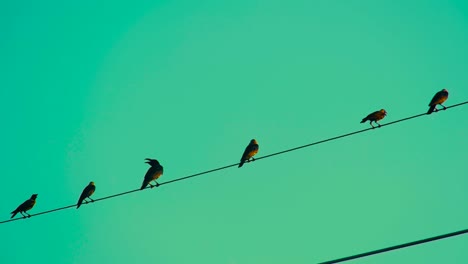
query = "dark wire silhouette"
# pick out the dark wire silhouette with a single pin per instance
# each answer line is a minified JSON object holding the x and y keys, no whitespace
{"x":236,"y":164}
{"x":409,"y":244}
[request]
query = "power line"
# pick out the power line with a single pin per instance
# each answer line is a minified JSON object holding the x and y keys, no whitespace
{"x":409,"y":244}
{"x":235,"y":164}
{"x":352,"y":133}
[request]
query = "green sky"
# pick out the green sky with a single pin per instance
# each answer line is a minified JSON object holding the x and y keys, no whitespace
{"x":88,"y":90}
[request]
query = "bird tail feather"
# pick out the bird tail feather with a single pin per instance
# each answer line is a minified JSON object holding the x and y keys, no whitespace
{"x":364,"y":120}
{"x":14,"y":213}
{"x":431,"y":109}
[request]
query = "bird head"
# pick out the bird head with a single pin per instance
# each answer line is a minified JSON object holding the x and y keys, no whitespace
{"x":152,"y":162}
{"x":253,"y":141}
{"x":383,"y":112}
{"x":33,"y":197}
{"x":444,"y":90}
{"x":91,"y":183}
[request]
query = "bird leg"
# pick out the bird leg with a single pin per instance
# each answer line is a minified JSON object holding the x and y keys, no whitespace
{"x":151,"y":185}
{"x":445,"y":108}
{"x":371,"y":124}
{"x":25,"y":216}
{"x":378,"y":123}
{"x":157,"y":184}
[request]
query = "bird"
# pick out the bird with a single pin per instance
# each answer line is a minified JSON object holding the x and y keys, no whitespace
{"x":440,"y":97}
{"x":27,"y":205}
{"x":87,"y":192}
{"x":375,"y":116}
{"x":249,"y":152}
{"x":153,"y":173}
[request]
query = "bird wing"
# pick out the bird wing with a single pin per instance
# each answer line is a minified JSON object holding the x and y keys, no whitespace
{"x":88,"y":191}
{"x":369,"y":117}
{"x":153,"y":173}
{"x":246,"y":153}
{"x":27,"y":205}
{"x":21,"y":207}
{"x":250,"y":151}
{"x":147,"y":177}
{"x":435,"y":99}
{"x":375,"y":116}
{"x":82,"y":196}
{"x":439,"y":98}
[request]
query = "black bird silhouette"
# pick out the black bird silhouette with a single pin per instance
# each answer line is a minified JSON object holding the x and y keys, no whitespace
{"x":27,"y":205}
{"x":153,"y":173}
{"x":374,"y":117}
{"x":439,"y":98}
{"x":87,"y":192}
{"x":249,"y":152}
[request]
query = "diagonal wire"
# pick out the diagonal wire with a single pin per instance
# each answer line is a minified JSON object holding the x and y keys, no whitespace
{"x":352,"y":133}
{"x":409,"y":244}
{"x":233,"y":165}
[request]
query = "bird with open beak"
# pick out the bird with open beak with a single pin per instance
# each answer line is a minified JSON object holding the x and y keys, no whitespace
{"x":153,"y":173}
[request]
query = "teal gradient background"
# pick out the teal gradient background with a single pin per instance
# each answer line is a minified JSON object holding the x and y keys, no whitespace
{"x":88,"y":90}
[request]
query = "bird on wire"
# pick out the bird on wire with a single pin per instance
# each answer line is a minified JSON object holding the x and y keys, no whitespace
{"x":375,"y":116}
{"x":87,"y":192}
{"x":27,"y":205}
{"x":153,"y":173}
{"x":440,"y":97}
{"x":249,"y":152}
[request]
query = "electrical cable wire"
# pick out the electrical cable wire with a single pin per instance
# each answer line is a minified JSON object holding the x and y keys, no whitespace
{"x":409,"y":244}
{"x":235,"y":164}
